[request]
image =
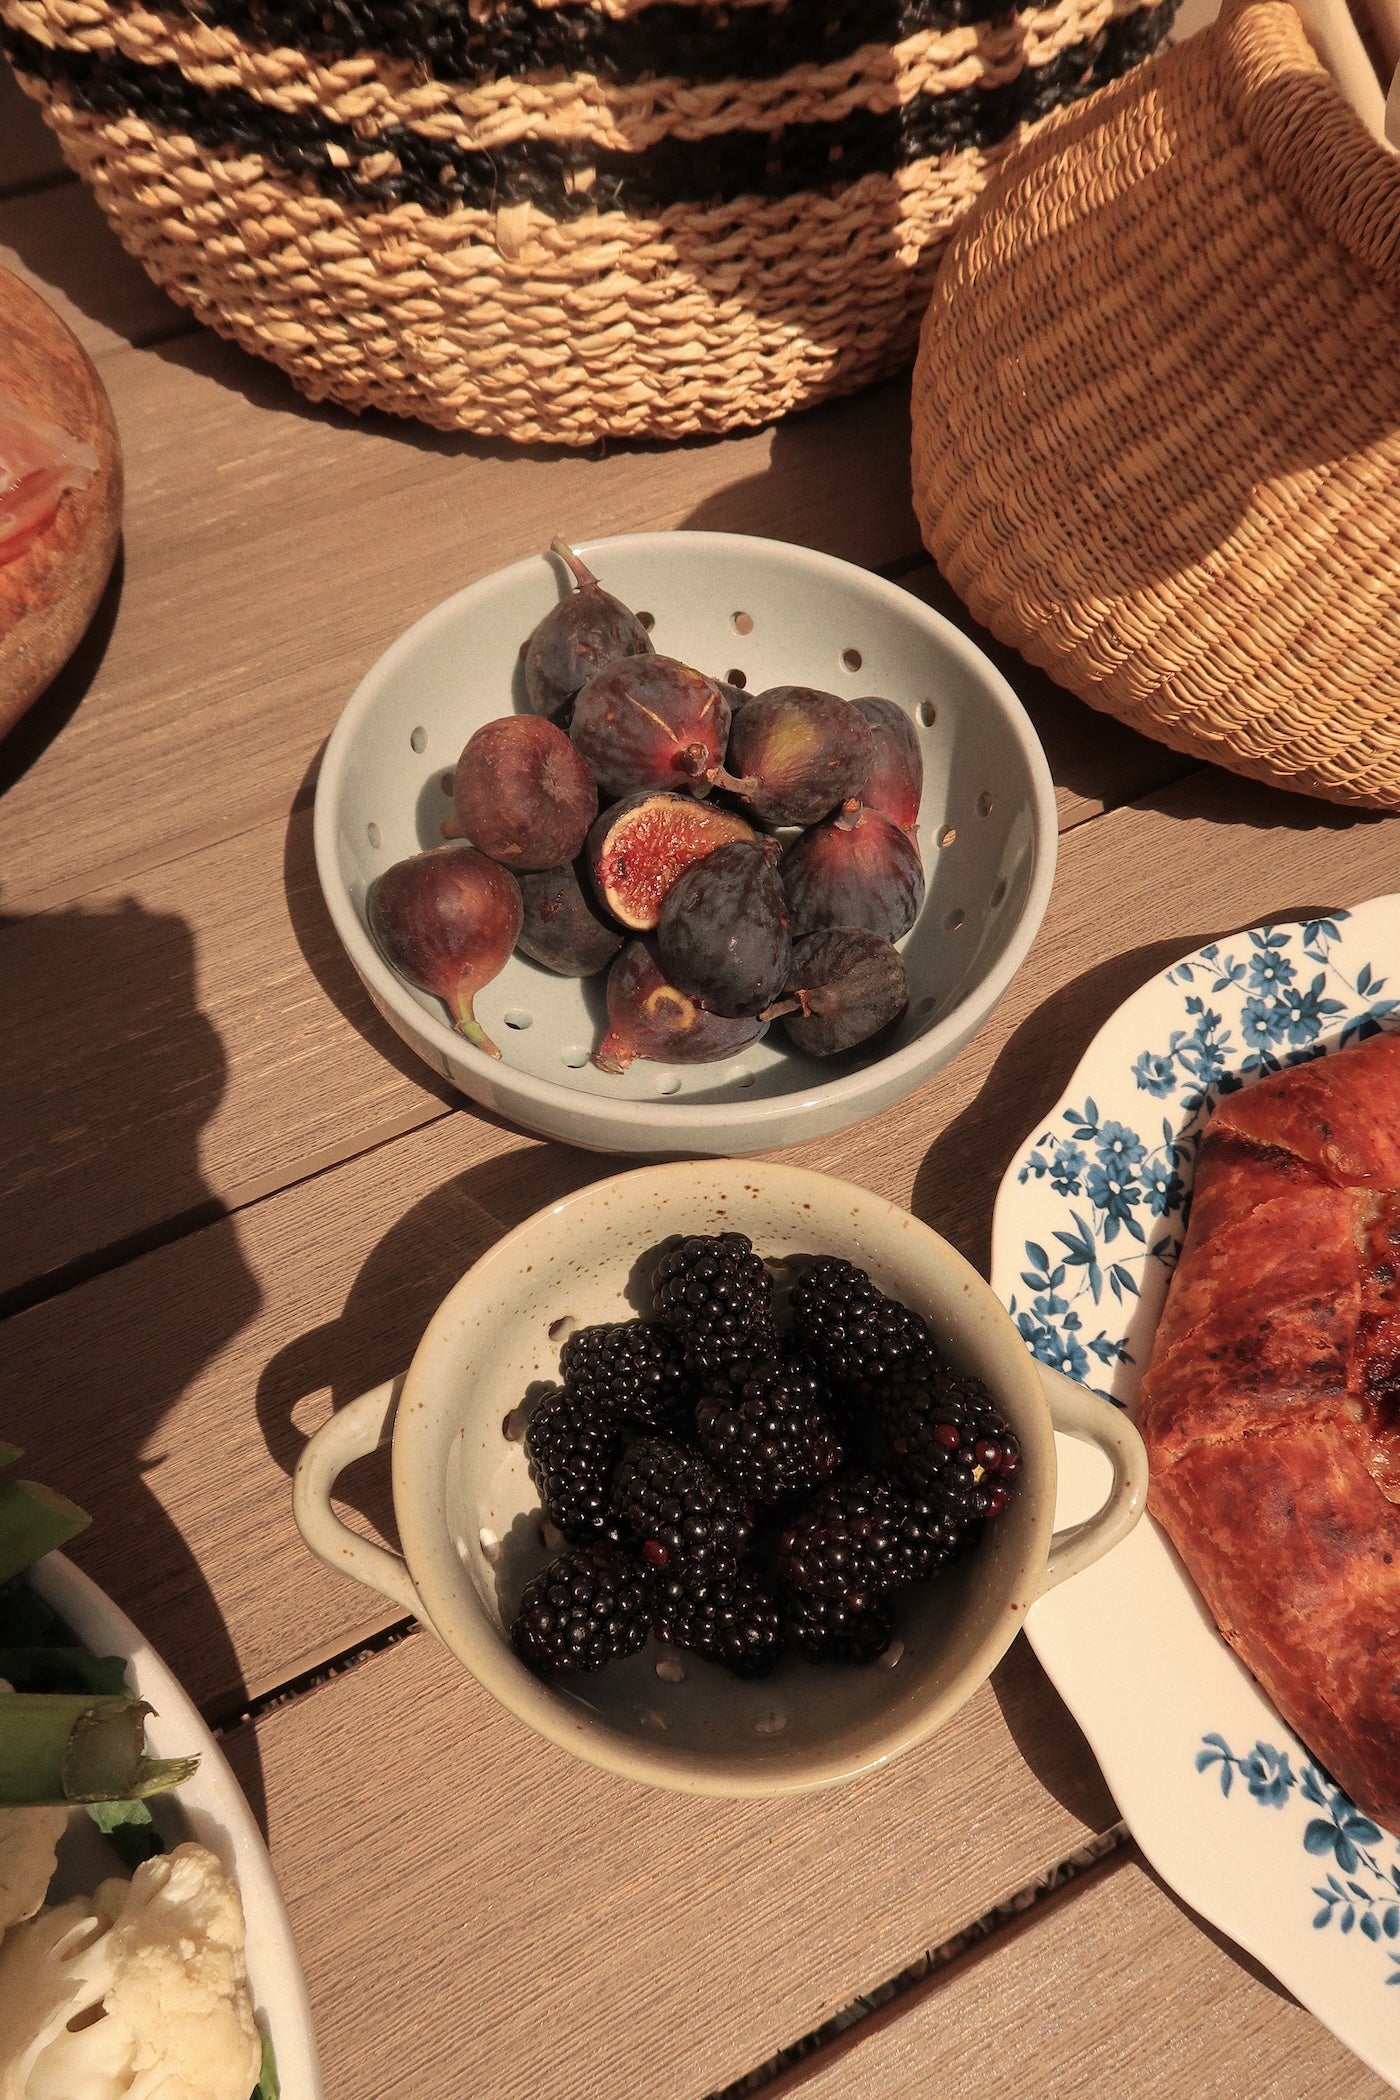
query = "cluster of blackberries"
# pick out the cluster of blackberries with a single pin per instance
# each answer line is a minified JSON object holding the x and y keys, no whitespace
{"x":736,"y":1491}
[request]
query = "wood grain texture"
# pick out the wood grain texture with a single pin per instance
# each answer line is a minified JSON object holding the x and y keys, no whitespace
{"x":1119,"y":1992}
{"x":285,"y":546}
{"x":28,"y":149}
{"x":315,"y":1294}
{"x":525,"y":1927}
{"x":255,"y":1037}
{"x":57,"y":240}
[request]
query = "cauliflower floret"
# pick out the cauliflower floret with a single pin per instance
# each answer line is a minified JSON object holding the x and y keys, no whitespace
{"x":28,"y":1841}
{"x":158,"y":1964}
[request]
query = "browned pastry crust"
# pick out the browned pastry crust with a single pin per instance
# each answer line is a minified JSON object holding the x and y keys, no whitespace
{"x":1271,"y":1404}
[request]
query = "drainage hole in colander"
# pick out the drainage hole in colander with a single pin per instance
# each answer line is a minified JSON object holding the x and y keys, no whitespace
{"x":518,"y":1018}
{"x":669,"y":1085}
{"x":999,"y":894}
{"x":948,"y":835}
{"x":574,"y":1056}
{"x":375,"y":836}
{"x":739,"y":678}
{"x":852,"y":659}
{"x":741,"y":622}
{"x":955,"y":919}
{"x":928,"y":713}
{"x":984,"y":804}
{"x":419,"y":738}
{"x":648,"y":620}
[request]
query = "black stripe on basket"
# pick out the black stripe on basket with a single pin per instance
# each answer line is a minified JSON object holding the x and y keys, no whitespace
{"x":442,"y":177}
{"x":664,"y":41}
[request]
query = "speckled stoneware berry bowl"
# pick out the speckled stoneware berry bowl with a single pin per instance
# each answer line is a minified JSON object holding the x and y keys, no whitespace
{"x":774,"y":614}
{"x":469,"y":1516}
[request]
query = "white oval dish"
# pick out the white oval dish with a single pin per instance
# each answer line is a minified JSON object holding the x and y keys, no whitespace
{"x":1224,"y":1800}
{"x":209,"y":1807}
{"x":987,"y":790}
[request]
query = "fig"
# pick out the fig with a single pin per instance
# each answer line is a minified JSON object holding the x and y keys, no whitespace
{"x":562,"y":928}
{"x":640,"y":845}
{"x":577,"y":637}
{"x":896,"y":784}
{"x":844,"y":986}
{"x":857,"y":869}
{"x":447,"y":920}
{"x":650,"y":722}
{"x":795,"y":753}
{"x":522,"y":794}
{"x":650,"y":1017}
{"x":723,"y":931}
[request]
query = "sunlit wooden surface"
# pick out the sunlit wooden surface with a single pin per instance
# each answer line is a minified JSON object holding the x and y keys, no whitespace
{"x":231,"y":1199}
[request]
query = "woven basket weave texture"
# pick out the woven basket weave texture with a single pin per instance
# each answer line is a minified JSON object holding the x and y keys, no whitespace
{"x":1157,"y":411}
{"x":557,"y":219}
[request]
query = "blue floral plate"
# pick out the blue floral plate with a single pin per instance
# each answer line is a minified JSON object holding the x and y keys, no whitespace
{"x":1224,"y":1800}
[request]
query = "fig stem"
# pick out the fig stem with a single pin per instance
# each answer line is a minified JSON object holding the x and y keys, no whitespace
{"x":737,"y":783}
{"x":693,"y":762}
{"x":469,"y":1026}
{"x":794,"y":1002}
{"x":850,"y":815}
{"x":579,"y":570}
{"x":610,"y":1056}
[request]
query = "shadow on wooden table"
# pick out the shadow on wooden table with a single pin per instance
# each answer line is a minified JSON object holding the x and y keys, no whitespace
{"x":95,"y":1369}
{"x":395,"y":1294}
{"x":956,"y":1186}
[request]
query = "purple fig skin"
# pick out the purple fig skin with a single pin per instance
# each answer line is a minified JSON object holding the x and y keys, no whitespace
{"x":640,"y":845}
{"x":650,"y":722}
{"x":447,"y":920}
{"x":649,"y":1017}
{"x":896,"y":784}
{"x":723,"y":931}
{"x":575,"y":638}
{"x":799,"y":752}
{"x":562,"y":929}
{"x":845,"y":985}
{"x":522,"y":794}
{"x":857,"y":869}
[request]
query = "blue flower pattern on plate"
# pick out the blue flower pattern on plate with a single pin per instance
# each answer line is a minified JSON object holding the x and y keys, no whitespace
{"x":1272,"y":997}
{"x":1363,"y":1894}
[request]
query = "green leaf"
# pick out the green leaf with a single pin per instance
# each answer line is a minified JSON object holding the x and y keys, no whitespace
{"x":269,"y":2085}
{"x":128,"y":1828}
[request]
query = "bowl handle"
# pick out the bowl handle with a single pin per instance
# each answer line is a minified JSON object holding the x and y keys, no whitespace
{"x":352,"y":1432}
{"x":1078,"y":1412}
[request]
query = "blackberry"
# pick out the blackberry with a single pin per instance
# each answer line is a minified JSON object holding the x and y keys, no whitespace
{"x":684,"y":1518}
{"x":572,"y":1449}
{"x":716,"y":1297}
{"x":633,"y":1371}
{"x":586,"y":1609}
{"x":860,"y":1539}
{"x":947,"y":1440}
{"x":766,"y":1429}
{"x":837,"y":1629}
{"x":734,"y":1620}
{"x":848,"y":1325}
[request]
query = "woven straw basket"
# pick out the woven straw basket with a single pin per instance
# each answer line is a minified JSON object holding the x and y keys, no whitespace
{"x":1157,"y":411}
{"x":557,"y":219}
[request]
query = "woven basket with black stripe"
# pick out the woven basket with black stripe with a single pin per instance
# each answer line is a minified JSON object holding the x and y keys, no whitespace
{"x":557,"y":219}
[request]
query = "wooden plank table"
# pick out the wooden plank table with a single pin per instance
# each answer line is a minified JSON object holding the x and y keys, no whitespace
{"x":231,"y":1199}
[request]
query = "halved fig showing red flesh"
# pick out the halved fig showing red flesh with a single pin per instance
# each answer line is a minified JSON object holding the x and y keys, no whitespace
{"x":650,"y":722}
{"x":640,"y":845}
{"x":650,"y":1017}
